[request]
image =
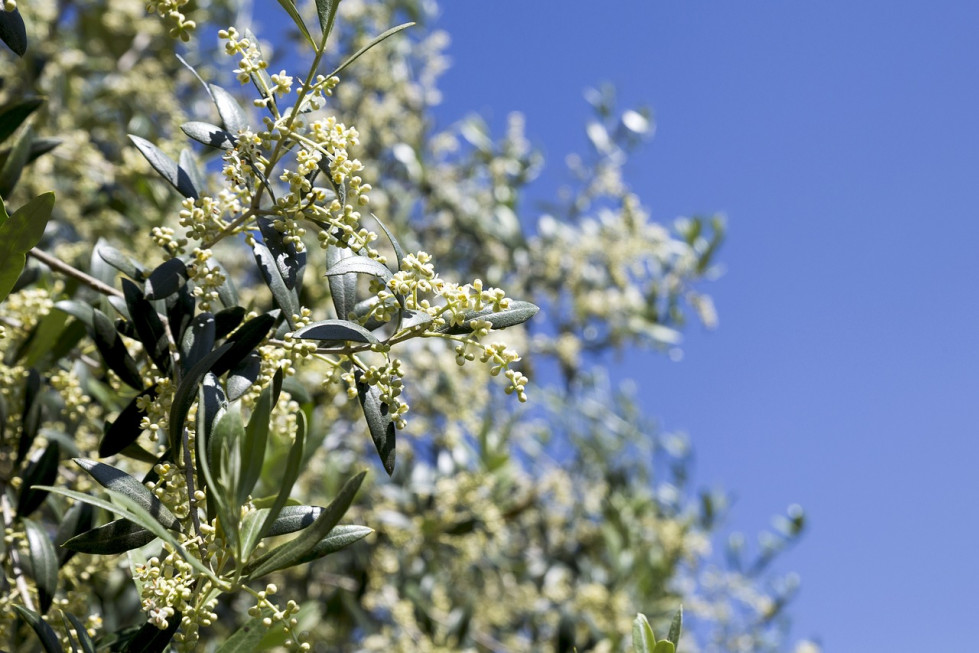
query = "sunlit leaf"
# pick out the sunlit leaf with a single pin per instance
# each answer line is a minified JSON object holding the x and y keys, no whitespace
{"x":377,"y":39}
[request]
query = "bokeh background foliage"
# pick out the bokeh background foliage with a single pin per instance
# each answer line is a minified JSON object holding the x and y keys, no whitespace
{"x":502,"y":527}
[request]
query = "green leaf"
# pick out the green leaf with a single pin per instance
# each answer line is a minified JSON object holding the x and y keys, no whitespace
{"x":44,"y":563}
{"x":115,"y":537}
{"x":188,"y":164}
{"x":232,"y":115}
{"x":198,"y":340}
{"x":119,"y":481}
{"x":256,"y":437}
{"x":125,"y":429}
{"x":517,"y":313}
{"x":210,"y":135}
{"x":244,"y":340}
{"x":377,"y":39}
{"x":336,"y":331}
{"x":13,"y":114}
{"x":223,"y":465}
{"x":643,"y":639}
{"x":167,"y":167}
{"x":379,"y":421}
{"x":343,"y":287}
{"x":45,"y":633}
{"x":399,"y":251}
{"x":361,"y":265}
{"x":243,"y":375}
{"x":664,"y":646}
{"x":290,"y":8}
{"x":289,"y":475}
{"x":19,"y":233}
{"x":14,"y":164}
{"x":227,"y":320}
{"x":186,"y":392}
{"x":150,"y":639}
{"x":326,"y":10}
{"x":285,"y":297}
{"x":676,"y":626}
{"x":88,"y":646}
{"x":41,"y":472}
{"x":339,"y":538}
{"x":290,"y":262}
{"x":149,"y":327}
{"x":30,"y":416}
{"x":78,"y":519}
{"x":78,"y":310}
{"x":290,"y":553}
{"x":122,"y":262}
{"x":113,"y":350}
{"x":247,"y":637}
{"x":166,"y":279}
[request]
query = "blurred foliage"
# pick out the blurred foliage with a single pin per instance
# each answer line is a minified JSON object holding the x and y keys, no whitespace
{"x":502,"y":528}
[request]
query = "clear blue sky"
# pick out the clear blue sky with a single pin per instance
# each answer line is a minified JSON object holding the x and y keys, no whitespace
{"x":841,"y":140}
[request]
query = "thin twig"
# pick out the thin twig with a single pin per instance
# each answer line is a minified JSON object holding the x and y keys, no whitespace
{"x":58,"y":265}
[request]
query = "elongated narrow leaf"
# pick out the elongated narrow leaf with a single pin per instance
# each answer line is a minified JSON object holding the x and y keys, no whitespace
{"x":167,"y":167}
{"x":517,"y":313}
{"x":30,"y":415}
{"x":242,"y":376}
{"x":292,"y":552}
{"x":285,"y":298}
{"x":19,"y":233}
{"x":13,"y":164}
{"x":676,"y":627}
{"x":150,"y":639}
{"x":243,"y":341}
{"x":125,"y":429}
{"x":232,"y":115}
{"x":114,"y":352}
{"x":292,"y":519}
{"x":45,"y":633}
{"x":78,"y":310}
{"x":290,"y":8}
{"x":43,"y":471}
{"x":377,"y":39}
{"x":379,"y":421}
{"x":186,"y":392}
{"x":221,"y":471}
{"x":119,"y":481}
{"x":256,"y":438}
{"x":289,"y":475}
{"x":361,"y":265}
{"x":343,"y":287}
{"x":188,"y":164}
{"x":166,"y":279}
{"x":227,"y":320}
{"x":198,"y":340}
{"x":125,"y":264}
{"x":13,"y":114}
{"x":78,"y":519}
{"x":248,"y":636}
{"x":643,"y":639}
{"x":149,"y":327}
{"x":664,"y":646}
{"x":115,"y":537}
{"x":88,"y":646}
{"x":289,"y":260}
{"x":208,"y":134}
{"x":326,"y":11}
{"x":336,"y":331}
{"x":44,"y":563}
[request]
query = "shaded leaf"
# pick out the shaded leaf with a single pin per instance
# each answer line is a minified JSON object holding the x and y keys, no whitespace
{"x":248,"y":336}
{"x":45,"y":633}
{"x":30,"y":415}
{"x":248,"y":636}
{"x":78,"y":310}
{"x":227,"y":320}
{"x":343,"y":287}
{"x":292,"y":519}
{"x":119,"y":481}
{"x":115,"y":537}
{"x":42,"y":471}
{"x":198,"y":340}
{"x":149,"y":327}
{"x":166,"y":279}
{"x":232,"y":115}
{"x":186,"y":392}
{"x":13,"y":114}
{"x":44,"y":563}
{"x":336,"y":331}
{"x":150,"y":639}
{"x":243,"y":375}
{"x":256,"y":437}
{"x":78,"y":519}
{"x":113,"y":350}
{"x":167,"y":167}
{"x":209,"y":134}
{"x":517,"y":313}
{"x":88,"y":646}
{"x":290,"y":553}
{"x":290,"y":262}
{"x":285,"y":298}
{"x":379,"y":421}
{"x":15,"y":161}
{"x":125,"y":429}
{"x":188,"y":164}
{"x":125,"y":264}
{"x":18,"y":234}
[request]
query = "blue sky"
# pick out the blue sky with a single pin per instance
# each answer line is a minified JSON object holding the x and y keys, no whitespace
{"x":840,"y":139}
